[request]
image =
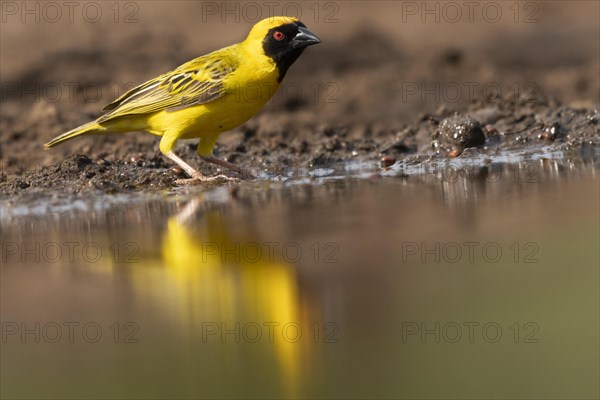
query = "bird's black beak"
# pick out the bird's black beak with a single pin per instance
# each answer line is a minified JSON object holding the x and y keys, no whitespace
{"x":304,"y":38}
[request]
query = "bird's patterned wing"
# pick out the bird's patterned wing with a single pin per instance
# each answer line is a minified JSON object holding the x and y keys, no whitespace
{"x":197,"y":82}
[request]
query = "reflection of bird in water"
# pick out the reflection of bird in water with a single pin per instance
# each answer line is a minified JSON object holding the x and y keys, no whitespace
{"x":222,"y":282}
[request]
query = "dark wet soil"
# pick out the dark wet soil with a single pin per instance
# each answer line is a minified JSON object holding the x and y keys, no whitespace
{"x":359,"y":111}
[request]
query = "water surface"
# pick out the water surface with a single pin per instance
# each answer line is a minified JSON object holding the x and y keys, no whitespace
{"x":470,"y":283}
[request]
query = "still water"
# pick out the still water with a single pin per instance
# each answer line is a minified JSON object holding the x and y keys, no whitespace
{"x":345,"y":285}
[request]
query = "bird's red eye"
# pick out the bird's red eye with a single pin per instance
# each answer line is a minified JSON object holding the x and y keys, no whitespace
{"x":278,"y":35}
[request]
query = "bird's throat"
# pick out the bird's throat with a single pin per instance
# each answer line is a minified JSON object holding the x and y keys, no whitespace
{"x":284,"y":60}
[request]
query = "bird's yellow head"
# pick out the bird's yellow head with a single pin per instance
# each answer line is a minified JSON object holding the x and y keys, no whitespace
{"x":283,"y":39}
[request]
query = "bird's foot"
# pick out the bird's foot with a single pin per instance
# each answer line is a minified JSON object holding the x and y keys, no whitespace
{"x":201,"y":180}
{"x":241,"y":172}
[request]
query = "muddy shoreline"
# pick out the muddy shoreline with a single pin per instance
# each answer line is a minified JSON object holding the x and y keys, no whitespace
{"x":117,"y":169}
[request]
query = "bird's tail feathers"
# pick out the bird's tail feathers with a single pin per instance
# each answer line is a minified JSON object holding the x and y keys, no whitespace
{"x":90,"y":128}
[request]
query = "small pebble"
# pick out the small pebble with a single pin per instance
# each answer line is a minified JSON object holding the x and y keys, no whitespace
{"x":490,"y":130}
{"x":387,"y":162}
{"x":551,"y":132}
{"x":545,"y":136}
{"x":456,"y":133}
{"x":136,"y":157}
{"x":176,"y":170}
{"x":454,"y":153}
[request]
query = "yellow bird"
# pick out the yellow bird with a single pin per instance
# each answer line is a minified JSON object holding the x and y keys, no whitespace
{"x":208,"y":95}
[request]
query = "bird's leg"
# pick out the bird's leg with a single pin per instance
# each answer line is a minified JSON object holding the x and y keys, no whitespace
{"x":196,"y":176}
{"x":191,"y":171}
{"x":205,"y":149}
{"x":244,"y":173}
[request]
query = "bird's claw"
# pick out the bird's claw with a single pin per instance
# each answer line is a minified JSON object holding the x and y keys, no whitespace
{"x":201,"y":180}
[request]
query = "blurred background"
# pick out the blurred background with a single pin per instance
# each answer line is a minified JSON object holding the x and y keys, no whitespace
{"x":470,"y":278}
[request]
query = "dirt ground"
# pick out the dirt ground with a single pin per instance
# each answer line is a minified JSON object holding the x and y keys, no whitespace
{"x":377,"y":89}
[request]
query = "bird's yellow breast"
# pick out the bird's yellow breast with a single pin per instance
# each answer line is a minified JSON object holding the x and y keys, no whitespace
{"x":247,"y":90}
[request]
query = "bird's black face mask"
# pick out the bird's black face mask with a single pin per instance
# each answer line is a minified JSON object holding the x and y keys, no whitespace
{"x":285,"y":43}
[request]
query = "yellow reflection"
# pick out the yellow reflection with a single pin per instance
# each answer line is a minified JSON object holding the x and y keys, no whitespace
{"x":222,"y":281}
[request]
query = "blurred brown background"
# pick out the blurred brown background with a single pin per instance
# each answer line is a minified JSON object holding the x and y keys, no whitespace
{"x":369,"y":48}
